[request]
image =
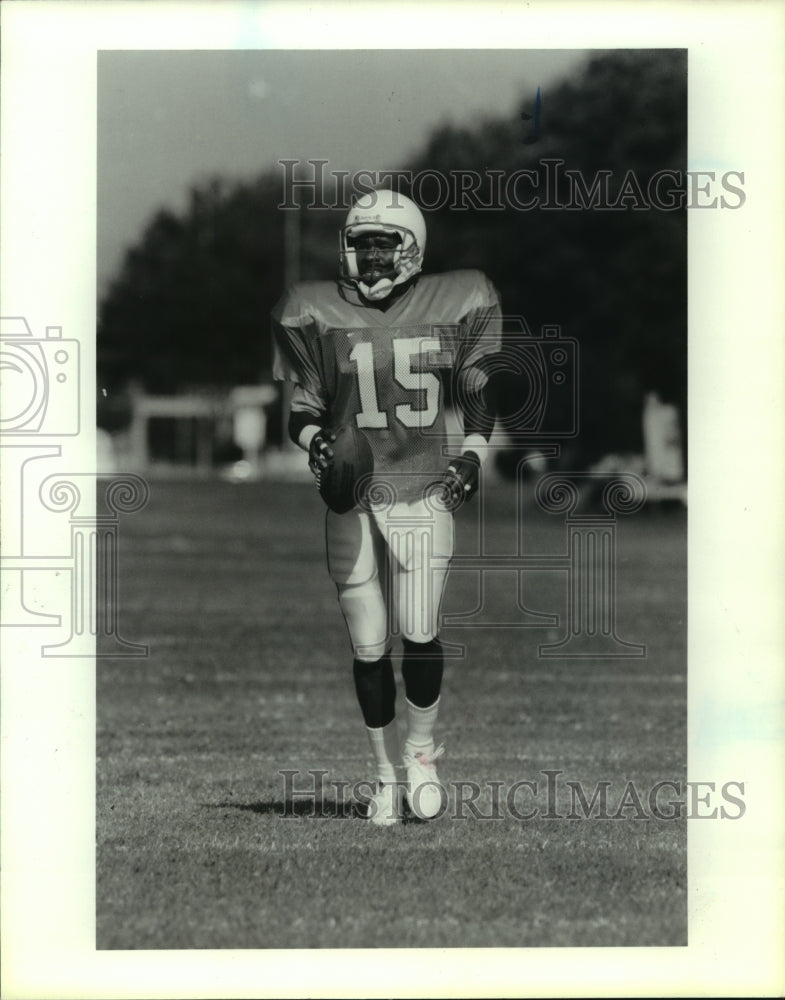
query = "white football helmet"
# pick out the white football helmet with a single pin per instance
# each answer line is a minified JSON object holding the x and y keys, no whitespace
{"x":383,"y":212}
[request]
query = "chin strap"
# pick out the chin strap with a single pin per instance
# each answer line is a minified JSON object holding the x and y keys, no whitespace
{"x":380,"y":290}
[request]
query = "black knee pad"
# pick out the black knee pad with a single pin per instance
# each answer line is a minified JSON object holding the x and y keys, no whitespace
{"x":422,"y":669}
{"x":375,"y":687}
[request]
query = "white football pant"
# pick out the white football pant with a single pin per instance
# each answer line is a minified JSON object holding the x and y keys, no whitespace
{"x":390,"y":566}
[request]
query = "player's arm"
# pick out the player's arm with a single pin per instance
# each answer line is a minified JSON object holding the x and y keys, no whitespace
{"x":475,"y":390}
{"x":294,"y":362}
{"x":477,"y":397}
{"x":307,"y":420}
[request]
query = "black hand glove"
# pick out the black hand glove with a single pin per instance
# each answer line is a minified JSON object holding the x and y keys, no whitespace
{"x":461,"y":479}
{"x":320,"y":454}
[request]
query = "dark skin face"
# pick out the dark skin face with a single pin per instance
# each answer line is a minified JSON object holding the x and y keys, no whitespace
{"x":376,"y":256}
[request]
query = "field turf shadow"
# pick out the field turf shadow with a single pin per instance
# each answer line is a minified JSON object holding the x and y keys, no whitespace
{"x":289,"y":809}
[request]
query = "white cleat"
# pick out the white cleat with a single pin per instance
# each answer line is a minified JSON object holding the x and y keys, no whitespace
{"x":384,"y":806}
{"x":424,"y":792}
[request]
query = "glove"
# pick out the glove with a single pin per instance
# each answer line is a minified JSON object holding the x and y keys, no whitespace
{"x":320,"y":454}
{"x":461,"y":479}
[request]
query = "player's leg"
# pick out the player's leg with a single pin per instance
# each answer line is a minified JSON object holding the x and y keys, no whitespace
{"x":420,"y":553}
{"x":420,"y":550}
{"x":353,"y":543}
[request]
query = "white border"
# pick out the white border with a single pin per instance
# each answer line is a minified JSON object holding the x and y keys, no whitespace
{"x":736,"y":541}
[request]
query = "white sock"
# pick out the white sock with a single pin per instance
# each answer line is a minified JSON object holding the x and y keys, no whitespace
{"x":421,"y":725}
{"x":386,"y":748}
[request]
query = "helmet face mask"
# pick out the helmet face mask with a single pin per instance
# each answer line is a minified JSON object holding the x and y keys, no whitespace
{"x":394,"y":256}
{"x":376,"y":254}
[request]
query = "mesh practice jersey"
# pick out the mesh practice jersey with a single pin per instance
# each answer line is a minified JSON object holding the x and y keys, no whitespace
{"x":384,"y":370}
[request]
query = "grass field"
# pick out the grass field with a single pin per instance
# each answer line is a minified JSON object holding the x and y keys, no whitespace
{"x":249,"y":673}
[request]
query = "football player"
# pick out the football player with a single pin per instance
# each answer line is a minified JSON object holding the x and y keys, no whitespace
{"x":377,"y":350}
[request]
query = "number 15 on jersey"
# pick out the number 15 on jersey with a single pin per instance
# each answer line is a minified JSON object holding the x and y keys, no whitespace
{"x":418,"y":392}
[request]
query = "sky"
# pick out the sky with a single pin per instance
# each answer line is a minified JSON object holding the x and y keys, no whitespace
{"x":168,"y":119}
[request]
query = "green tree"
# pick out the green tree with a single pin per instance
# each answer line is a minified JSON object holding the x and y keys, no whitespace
{"x":615,"y":280}
{"x":190,"y":305}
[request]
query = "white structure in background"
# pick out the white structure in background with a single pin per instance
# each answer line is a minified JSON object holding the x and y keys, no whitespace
{"x":105,"y":458}
{"x":194,"y":416}
{"x":249,"y":427}
{"x":663,"y":453}
{"x":661,"y":466}
{"x":200,"y":420}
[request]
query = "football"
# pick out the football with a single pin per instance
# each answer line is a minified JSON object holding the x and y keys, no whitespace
{"x":352,"y":461}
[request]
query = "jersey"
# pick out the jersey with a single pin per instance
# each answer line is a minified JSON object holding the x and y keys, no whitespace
{"x":385,"y":369}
